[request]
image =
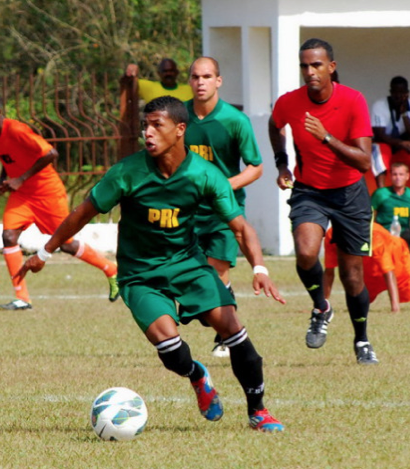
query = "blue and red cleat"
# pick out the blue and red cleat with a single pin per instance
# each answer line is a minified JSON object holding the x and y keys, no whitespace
{"x":209,"y":403}
{"x":263,"y":421}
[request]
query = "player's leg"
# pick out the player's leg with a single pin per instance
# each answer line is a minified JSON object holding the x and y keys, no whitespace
{"x":352,"y":234}
{"x":357,"y":301}
{"x":246,"y":365}
{"x":308,"y":239}
{"x":13,"y":257}
{"x":309,"y":215}
{"x":176,"y":356}
{"x":17,"y":217}
{"x":89,"y":255}
{"x":155,"y":313}
{"x":222,"y":267}
{"x":221,"y":249}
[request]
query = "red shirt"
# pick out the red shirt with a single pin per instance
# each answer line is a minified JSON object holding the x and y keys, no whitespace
{"x":20,"y":148}
{"x":345,"y":115}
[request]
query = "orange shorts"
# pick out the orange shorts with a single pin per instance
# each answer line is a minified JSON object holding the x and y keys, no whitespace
{"x":47,"y":213}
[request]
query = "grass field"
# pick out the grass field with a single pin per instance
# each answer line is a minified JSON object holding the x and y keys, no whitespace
{"x":56,"y":358}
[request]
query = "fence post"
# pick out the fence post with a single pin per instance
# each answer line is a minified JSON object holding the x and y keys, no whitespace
{"x":129,"y":112}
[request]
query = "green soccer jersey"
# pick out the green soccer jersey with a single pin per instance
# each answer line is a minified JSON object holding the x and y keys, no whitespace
{"x":157,"y":213}
{"x":387,"y":204}
{"x":224,"y":137}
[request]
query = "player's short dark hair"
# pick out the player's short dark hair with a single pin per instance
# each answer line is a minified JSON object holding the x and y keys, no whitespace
{"x":399,"y":81}
{"x":174,"y":107}
{"x":315,"y":43}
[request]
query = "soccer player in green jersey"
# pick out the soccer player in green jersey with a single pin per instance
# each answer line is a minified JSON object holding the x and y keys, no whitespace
{"x":223,"y":135}
{"x":159,"y":260}
{"x":394,"y":200}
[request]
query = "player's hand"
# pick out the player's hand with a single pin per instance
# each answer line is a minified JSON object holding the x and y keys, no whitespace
{"x":12,"y":184}
{"x":33,"y":263}
{"x":285,"y":178}
{"x":405,"y":145}
{"x":315,"y":127}
{"x":263,"y":282}
{"x":131,"y":70}
{"x":395,"y":307}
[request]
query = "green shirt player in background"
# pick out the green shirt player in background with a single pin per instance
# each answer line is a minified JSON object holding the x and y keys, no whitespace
{"x":159,"y":260}
{"x":394,"y":200}
{"x":223,"y":135}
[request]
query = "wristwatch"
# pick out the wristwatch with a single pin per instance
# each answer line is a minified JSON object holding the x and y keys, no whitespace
{"x":326,"y":139}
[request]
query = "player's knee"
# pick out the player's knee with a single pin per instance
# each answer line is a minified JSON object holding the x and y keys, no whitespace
{"x":10,"y":237}
{"x":70,"y":248}
{"x":175,"y":355}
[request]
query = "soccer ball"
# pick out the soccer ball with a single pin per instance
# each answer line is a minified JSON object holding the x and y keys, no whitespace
{"x":118,"y":414}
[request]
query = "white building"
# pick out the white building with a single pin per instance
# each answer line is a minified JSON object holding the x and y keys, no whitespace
{"x":257,"y":43}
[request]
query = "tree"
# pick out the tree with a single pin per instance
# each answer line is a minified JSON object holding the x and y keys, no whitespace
{"x":43,"y":36}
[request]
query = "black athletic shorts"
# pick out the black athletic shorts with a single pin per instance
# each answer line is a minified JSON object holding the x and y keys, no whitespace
{"x":348,"y":208}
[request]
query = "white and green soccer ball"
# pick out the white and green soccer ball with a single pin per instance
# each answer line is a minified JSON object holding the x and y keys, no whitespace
{"x":118,"y":414}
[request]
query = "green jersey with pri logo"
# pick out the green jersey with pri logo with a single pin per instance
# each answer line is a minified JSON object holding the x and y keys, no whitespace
{"x":388,"y":204}
{"x":157,"y":213}
{"x":224,"y":137}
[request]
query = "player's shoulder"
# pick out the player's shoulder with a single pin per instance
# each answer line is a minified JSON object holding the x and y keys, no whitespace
{"x":229,"y":113}
{"x":134,"y":162}
{"x":382,"y":192}
{"x":201,"y":166}
{"x":15,"y":127}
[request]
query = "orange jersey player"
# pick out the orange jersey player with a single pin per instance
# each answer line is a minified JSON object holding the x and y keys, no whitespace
{"x":388,"y":268}
{"x":37,"y":195}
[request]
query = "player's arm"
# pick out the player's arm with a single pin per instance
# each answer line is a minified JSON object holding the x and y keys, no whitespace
{"x":74,"y":222}
{"x":357,"y":155}
{"x":391,"y":282}
{"x":249,"y":243}
{"x":247,"y":176}
{"x":14,"y":184}
{"x":277,"y":139}
{"x":380,"y":135}
{"x":3,"y":178}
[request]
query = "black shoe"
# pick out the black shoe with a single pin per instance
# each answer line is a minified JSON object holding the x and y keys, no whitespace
{"x":365,"y":354}
{"x":316,"y":334}
{"x":16,"y":305}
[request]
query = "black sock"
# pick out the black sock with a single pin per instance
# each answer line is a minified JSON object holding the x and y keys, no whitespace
{"x":313,"y":281}
{"x":358,"y":307}
{"x":176,"y":356}
{"x":247,"y":367}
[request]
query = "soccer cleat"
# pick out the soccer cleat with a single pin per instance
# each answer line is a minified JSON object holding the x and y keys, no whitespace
{"x":365,"y":354}
{"x":114,"y":289}
{"x":263,"y":421}
{"x":16,"y":305}
{"x":209,"y":403}
{"x":316,"y":334}
{"x":220,"y":350}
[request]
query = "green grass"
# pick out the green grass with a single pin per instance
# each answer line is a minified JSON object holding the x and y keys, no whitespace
{"x":56,"y":358}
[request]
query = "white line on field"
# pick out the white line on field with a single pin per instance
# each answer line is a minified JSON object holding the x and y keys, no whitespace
{"x":104,"y":296}
{"x":316,"y":403}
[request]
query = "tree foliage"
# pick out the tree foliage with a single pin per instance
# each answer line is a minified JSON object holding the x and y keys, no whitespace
{"x":45,"y":36}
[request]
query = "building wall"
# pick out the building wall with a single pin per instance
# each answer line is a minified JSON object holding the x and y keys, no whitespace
{"x":257,"y":42}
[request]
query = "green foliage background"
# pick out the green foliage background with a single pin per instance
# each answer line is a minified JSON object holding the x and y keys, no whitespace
{"x":45,"y":36}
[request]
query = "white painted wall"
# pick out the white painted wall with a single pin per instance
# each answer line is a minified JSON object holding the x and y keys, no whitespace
{"x":101,"y":236}
{"x":257,"y":43}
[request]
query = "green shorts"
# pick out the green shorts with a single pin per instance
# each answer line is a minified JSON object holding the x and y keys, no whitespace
{"x":216,"y":239}
{"x":193,"y":283}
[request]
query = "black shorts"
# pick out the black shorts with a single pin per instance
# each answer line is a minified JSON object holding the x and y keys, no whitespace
{"x":348,"y":208}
